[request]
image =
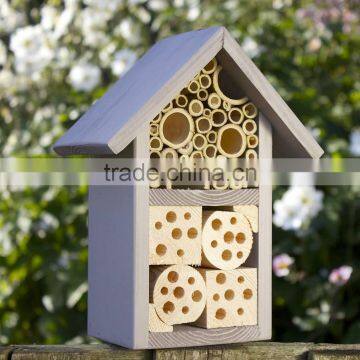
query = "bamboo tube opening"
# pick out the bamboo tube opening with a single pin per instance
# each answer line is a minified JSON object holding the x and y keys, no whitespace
{"x":250,"y":110}
{"x":196,"y":107}
{"x":155,"y":154}
{"x":156,"y":143}
{"x":207,"y":112}
{"x":251,"y":154}
{"x":203,"y":125}
{"x":214,"y":101}
{"x":210,"y":151}
{"x":211,"y":136}
{"x":187,"y":149}
{"x":231,"y":141}
{"x":252,"y":141}
{"x":176,"y":128}
{"x":181,"y":100}
{"x":210,"y":67}
{"x":202,"y":94}
{"x":218,"y":117}
{"x":154,"y":129}
{"x":157,"y":118}
{"x":249,"y":126}
{"x":169,"y":153}
{"x":168,"y":107}
{"x":226,"y":106}
{"x":193,"y":86}
{"x":236,"y":116}
{"x":226,"y":88}
{"x":199,"y":141}
{"x":197,"y":154}
{"x":205,"y":81}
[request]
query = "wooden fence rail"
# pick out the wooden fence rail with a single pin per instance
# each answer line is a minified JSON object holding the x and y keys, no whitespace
{"x":248,"y":351}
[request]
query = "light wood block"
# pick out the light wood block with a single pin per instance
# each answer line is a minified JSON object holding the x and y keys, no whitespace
{"x":226,"y":239}
{"x":175,"y":235}
{"x":155,"y":323}
{"x":231,"y":298}
{"x":178,"y":293}
{"x":251,"y":212}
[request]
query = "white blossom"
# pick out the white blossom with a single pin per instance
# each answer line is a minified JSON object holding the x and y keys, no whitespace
{"x":281,"y":265}
{"x":84,"y":76}
{"x":49,"y":17}
{"x":355,"y":142}
{"x":93,"y":24}
{"x":3,"y":55}
{"x":314,"y":44}
{"x":10,"y":19}
{"x":123,"y":61}
{"x":108,"y":5}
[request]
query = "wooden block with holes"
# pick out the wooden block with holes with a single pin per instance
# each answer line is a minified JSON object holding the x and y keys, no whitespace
{"x":175,"y":235}
{"x":231,"y":298}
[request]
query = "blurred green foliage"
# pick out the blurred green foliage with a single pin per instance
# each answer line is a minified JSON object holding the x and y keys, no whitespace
{"x":309,"y":52}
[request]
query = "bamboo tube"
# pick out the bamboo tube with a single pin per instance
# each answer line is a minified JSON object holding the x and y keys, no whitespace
{"x":210,"y":67}
{"x":181,"y":100}
{"x":205,"y":81}
{"x":218,"y":117}
{"x":231,"y":141}
{"x":211,"y":136}
{"x":237,"y":180}
{"x":157,"y":118}
{"x":154,"y":129}
{"x":207,"y":112}
{"x":156,"y":143}
{"x":176,"y":128}
{"x":168,"y":107}
{"x":251,"y":162}
{"x":169,"y":162}
{"x":222,"y":184}
{"x":210,"y":151}
{"x":184,"y":161}
{"x":197,"y":154}
{"x":193,"y":87}
{"x":178,"y":293}
{"x":250,"y":110}
{"x":249,"y":126}
{"x":251,"y":154}
{"x":202,"y":94}
{"x":227,"y":239}
{"x":169,"y":153}
{"x":214,"y":101}
{"x":236,"y":116}
{"x":196,"y":107}
{"x":199,"y":141}
{"x":155,"y":154}
{"x":196,"y":77}
{"x":203,"y":125}
{"x":220,"y":92}
{"x":252,"y":141}
{"x":226,"y":106}
{"x":187,"y":149}
{"x":154,"y":178}
{"x":155,"y":323}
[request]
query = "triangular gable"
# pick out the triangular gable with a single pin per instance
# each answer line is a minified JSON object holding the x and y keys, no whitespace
{"x":118,"y":117}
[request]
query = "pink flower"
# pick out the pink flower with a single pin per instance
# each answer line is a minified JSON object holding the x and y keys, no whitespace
{"x":281,"y":264}
{"x":341,"y":275}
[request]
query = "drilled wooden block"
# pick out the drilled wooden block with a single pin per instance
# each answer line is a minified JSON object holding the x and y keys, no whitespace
{"x":175,"y":235}
{"x":231,"y":298}
{"x":155,"y":323}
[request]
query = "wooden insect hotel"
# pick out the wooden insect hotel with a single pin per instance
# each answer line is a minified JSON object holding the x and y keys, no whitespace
{"x":176,"y":264}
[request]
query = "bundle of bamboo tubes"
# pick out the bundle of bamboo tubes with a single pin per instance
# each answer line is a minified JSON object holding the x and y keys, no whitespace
{"x":203,"y":123}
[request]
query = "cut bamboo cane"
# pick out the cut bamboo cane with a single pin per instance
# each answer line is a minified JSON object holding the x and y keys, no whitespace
{"x":154,"y":178}
{"x":157,"y":118}
{"x":214,"y":101}
{"x":155,"y":323}
{"x":193,"y":87}
{"x":205,"y":81}
{"x":240,"y":101}
{"x":210,"y":67}
{"x":175,"y":235}
{"x":251,"y":212}
{"x":199,"y":141}
{"x":249,"y":126}
{"x":231,"y":141}
{"x":202,"y":95}
{"x":203,"y":125}
{"x":169,"y":162}
{"x":181,"y":100}
{"x":231,"y":298}
{"x":237,"y":180}
{"x":197,"y":154}
{"x":210,"y":151}
{"x":169,"y":153}
{"x":156,"y":143}
{"x":236,"y":116}
{"x":176,"y":128}
{"x":154,"y":129}
{"x":187,"y":149}
{"x":226,"y":106}
{"x":207,"y":112}
{"x":211,"y":136}
{"x":252,"y":141}
{"x":220,"y":184}
{"x":250,"y":110}
{"x":251,"y":154}
{"x":178,"y":293}
{"x":196,"y":107}
{"x":226,"y":239}
{"x":218,"y":117}
{"x":155,"y":154}
{"x":168,"y":107}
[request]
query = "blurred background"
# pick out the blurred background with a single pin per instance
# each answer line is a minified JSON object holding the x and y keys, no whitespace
{"x":57,"y":57}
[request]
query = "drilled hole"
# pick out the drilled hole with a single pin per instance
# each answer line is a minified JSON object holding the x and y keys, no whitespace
{"x":192,"y":233}
{"x":240,"y":279}
{"x":185,"y":309}
{"x":247,"y":294}
{"x":164,"y":290}
{"x":221,"y":278}
{"x":173,"y":276}
{"x":216,"y":297}
{"x":240,"y":311}
{"x":180,"y":253}
{"x":168,"y":307}
{"x":216,"y":224}
{"x":187,"y":216}
{"x":233,"y":221}
{"x":176,"y":233}
{"x":239,"y":254}
{"x":226,"y":255}
{"x":214,"y":244}
{"x":179,"y":292}
{"x":158,"y":225}
{"x":240,"y":237}
{"x":228,"y":237}
{"x":171,"y":217}
{"x":196,"y":296}
{"x":229,"y":294}
{"x":161,"y":249}
{"x":191,"y":280}
{"x":220,"y":314}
